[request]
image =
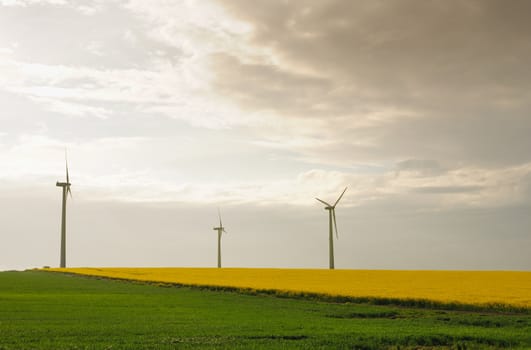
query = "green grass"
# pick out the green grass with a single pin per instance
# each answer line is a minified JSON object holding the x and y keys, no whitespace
{"x":43,"y":310}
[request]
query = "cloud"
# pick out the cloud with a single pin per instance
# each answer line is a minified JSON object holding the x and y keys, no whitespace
{"x":6,"y":51}
{"x":412,"y":45}
{"x":364,"y":89}
{"x":32,"y":2}
{"x":335,"y":83}
{"x":453,"y":73}
{"x":74,"y":109}
{"x":447,"y":189}
{"x":162,"y":89}
{"x":137,"y":55}
{"x":256,"y":86}
{"x":419,"y":166}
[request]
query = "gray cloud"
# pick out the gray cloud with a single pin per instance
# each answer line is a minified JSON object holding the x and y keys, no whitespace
{"x":266,"y":87}
{"x":456,"y":72}
{"x":447,"y":189}
{"x":423,"y":166}
{"x":408,"y":44}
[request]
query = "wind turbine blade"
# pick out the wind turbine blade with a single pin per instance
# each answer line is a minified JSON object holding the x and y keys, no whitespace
{"x":66,"y":162}
{"x":335,"y":223}
{"x":219,"y":215}
{"x":323,"y":202}
{"x":69,"y":191}
{"x":224,"y":230}
{"x":340,"y":197}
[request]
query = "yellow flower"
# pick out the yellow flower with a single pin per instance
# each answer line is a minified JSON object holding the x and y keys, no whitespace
{"x":511,"y":288}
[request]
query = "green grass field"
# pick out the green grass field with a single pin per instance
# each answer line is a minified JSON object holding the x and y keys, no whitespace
{"x":43,"y":310}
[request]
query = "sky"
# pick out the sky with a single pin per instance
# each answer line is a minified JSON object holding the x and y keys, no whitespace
{"x":171,"y":109}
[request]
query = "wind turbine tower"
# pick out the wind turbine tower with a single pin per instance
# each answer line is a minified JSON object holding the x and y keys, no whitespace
{"x":331,"y":225}
{"x":220,"y":230}
{"x":66,"y":191}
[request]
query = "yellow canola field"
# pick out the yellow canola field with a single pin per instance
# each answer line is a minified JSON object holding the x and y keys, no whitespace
{"x":511,"y":288}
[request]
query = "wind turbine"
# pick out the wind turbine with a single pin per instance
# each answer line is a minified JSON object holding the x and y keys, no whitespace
{"x":220,"y":230}
{"x":66,"y":191}
{"x":332,"y":224}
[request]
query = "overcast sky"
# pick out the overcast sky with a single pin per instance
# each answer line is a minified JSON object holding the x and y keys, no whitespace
{"x":170,"y":109}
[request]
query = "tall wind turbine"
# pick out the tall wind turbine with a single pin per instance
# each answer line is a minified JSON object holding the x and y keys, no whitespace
{"x":332,"y":224}
{"x":66,"y":191}
{"x":220,"y":230}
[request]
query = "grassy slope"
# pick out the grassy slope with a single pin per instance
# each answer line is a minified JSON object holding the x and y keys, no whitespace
{"x":55,"y":311}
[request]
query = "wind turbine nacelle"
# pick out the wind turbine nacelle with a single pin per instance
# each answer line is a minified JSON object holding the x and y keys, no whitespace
{"x":62,"y":184}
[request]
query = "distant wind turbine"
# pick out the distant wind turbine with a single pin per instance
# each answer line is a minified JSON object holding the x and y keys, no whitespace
{"x":66,"y":191}
{"x":220,"y":230}
{"x":332,"y":224}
